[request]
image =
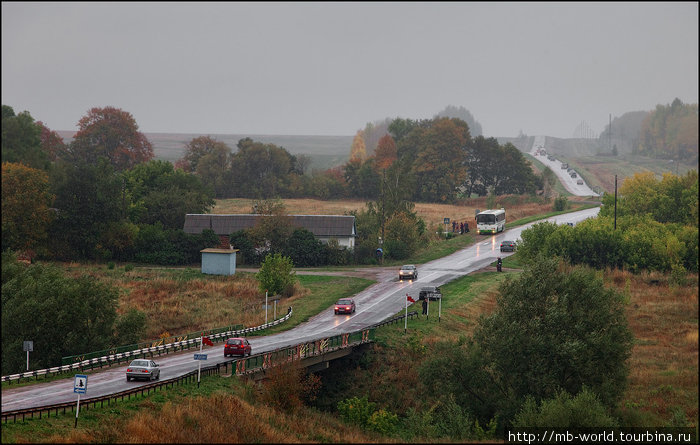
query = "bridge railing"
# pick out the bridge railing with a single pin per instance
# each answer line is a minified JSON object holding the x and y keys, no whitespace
{"x":242,"y":366}
{"x":108,"y":360}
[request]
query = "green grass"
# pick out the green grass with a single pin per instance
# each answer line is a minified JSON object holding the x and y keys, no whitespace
{"x":457,"y":296}
{"x":325,"y":291}
{"x":95,"y":418}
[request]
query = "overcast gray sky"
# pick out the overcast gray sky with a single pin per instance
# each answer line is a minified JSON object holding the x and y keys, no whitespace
{"x":329,"y":68}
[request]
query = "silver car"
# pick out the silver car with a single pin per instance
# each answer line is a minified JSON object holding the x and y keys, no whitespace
{"x":143,"y":369}
{"x":408,"y":270}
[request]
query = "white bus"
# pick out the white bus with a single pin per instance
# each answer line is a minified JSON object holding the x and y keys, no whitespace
{"x":491,"y":221}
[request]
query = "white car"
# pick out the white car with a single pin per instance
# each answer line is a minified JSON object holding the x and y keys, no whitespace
{"x":143,"y":369}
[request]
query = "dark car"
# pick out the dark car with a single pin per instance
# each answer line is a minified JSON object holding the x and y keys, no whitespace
{"x":508,"y":246}
{"x":237,"y":346}
{"x":430,"y":292}
{"x":408,"y":271}
{"x":143,"y":369}
{"x":344,"y":306}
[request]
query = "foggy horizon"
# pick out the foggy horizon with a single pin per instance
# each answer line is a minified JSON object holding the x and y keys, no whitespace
{"x":328,"y":69}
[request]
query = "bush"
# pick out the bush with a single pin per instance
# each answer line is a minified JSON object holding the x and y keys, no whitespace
{"x":582,"y":411}
{"x":276,"y":276}
{"x":560,"y":203}
{"x":383,"y":422}
{"x":356,"y":411}
{"x":287,"y":387}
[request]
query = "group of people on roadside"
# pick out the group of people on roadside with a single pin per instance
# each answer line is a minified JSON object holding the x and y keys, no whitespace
{"x":461,"y":228}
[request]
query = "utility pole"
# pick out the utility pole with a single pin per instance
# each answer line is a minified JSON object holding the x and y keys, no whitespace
{"x":383,"y":199}
{"x":610,"y":133}
{"x":615,"y":224}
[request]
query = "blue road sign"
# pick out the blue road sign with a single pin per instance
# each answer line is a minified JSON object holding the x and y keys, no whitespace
{"x":200,"y":356}
{"x":80,"y":385}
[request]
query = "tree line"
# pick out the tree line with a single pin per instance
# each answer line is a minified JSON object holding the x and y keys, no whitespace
{"x":102,"y":196}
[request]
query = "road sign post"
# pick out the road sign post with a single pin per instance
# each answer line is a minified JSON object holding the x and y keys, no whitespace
{"x":28,"y":346}
{"x":199,"y":366}
{"x":79,"y":387}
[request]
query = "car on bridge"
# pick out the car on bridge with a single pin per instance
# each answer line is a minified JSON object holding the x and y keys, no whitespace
{"x":345,"y":306}
{"x":237,"y":346}
{"x":142,"y":369}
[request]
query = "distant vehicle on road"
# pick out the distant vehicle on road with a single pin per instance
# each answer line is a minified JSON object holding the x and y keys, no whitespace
{"x":573,"y":174}
{"x":344,"y":306}
{"x":565,"y":166}
{"x":408,"y":271}
{"x":142,"y":369}
{"x":491,"y":221}
{"x":507,"y":246}
{"x":579,"y":182}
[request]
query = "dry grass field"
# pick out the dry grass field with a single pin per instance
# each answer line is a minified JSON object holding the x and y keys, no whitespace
{"x":663,"y":317}
{"x":433,"y":214}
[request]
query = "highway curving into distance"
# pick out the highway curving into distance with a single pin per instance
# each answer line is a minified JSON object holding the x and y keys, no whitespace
{"x":565,"y":178}
{"x":378,"y":302}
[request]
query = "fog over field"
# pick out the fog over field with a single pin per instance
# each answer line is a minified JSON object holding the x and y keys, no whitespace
{"x":325,"y":68}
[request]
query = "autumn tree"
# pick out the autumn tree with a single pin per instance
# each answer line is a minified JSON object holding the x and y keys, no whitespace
{"x":51,"y":142}
{"x":358,"y":151}
{"x":111,"y":133}
{"x":438,"y":163}
{"x":373,"y":132}
{"x":386,"y":153}
{"x":25,"y":207}
{"x":21,"y":139}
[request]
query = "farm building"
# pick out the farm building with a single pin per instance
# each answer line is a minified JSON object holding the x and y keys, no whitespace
{"x":324,"y":227}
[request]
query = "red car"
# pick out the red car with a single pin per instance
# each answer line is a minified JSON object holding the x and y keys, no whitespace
{"x":237,"y":346}
{"x":345,"y":306}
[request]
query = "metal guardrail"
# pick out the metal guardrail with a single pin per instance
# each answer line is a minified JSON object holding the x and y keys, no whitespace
{"x":243,"y":366}
{"x":141,"y":345}
{"x":111,"y":359}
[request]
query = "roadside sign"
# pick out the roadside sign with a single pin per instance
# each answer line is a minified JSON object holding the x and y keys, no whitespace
{"x":200,"y":356}
{"x":80,"y":385}
{"x":28,"y":346}
{"x":446,"y":221}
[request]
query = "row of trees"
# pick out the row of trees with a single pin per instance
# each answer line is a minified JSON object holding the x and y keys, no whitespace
{"x":671,"y":132}
{"x":436,"y":160}
{"x":657,"y":229}
{"x":101,"y":196}
{"x":430,"y":160}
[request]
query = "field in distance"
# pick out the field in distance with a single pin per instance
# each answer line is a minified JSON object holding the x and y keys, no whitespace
{"x":433,"y":214}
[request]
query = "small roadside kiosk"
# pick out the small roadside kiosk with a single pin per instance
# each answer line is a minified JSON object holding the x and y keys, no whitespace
{"x":219,"y":261}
